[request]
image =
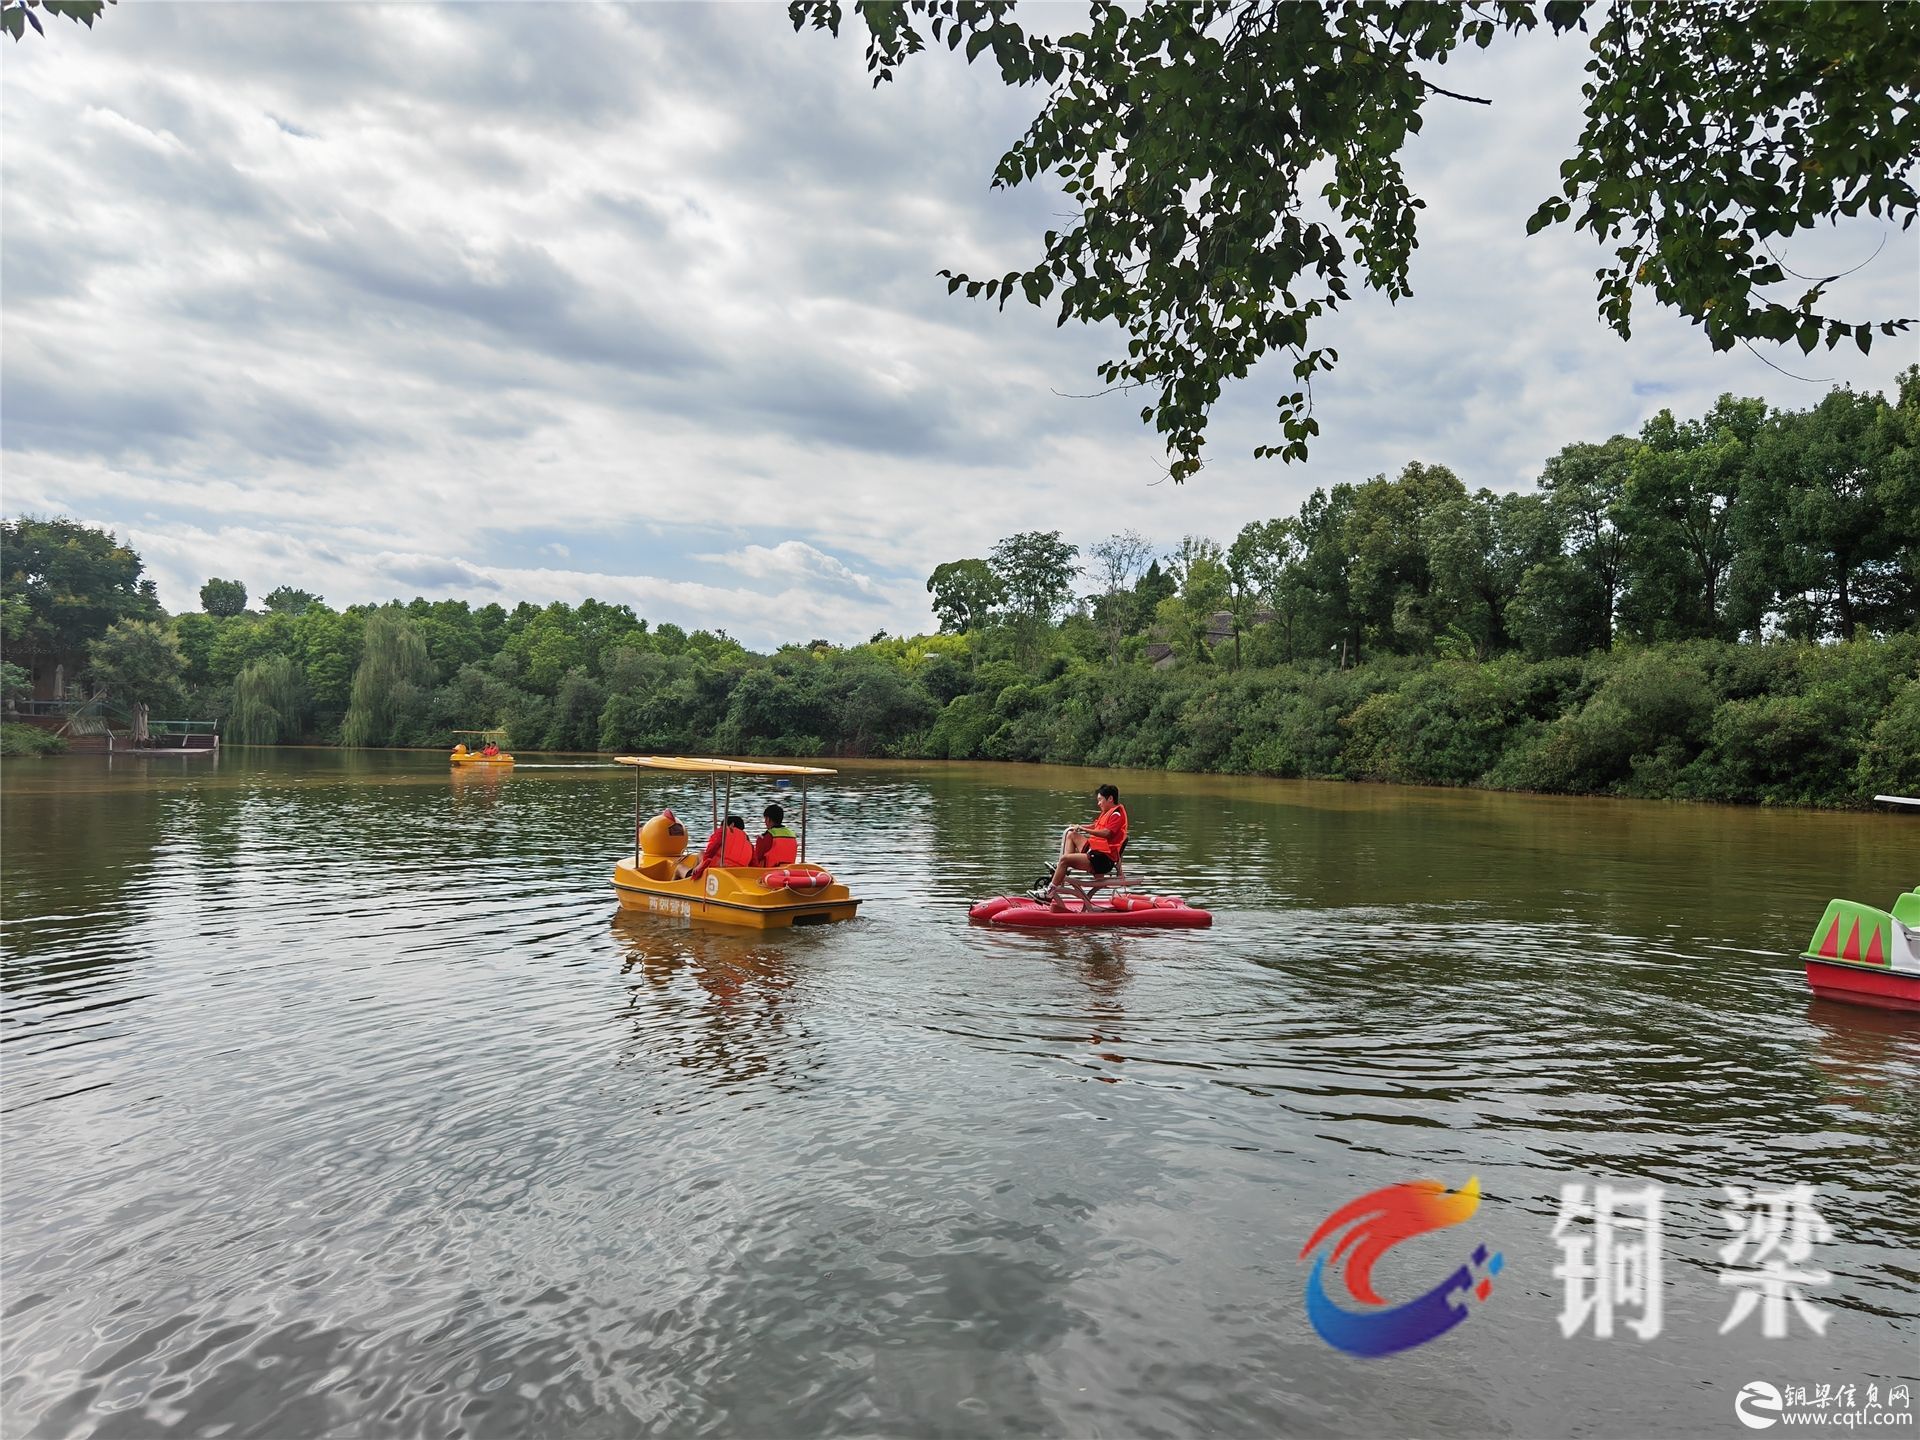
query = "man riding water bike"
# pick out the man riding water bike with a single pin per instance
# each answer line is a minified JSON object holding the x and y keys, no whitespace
{"x":1092,"y":849}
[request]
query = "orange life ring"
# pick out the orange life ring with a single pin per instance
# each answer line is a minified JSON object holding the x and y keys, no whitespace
{"x":803,"y":882}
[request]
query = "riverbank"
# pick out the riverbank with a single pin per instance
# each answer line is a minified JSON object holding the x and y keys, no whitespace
{"x":1778,"y":724}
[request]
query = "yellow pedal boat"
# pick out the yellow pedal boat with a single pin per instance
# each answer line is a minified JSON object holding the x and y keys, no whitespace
{"x":766,"y":897}
{"x":463,"y":756}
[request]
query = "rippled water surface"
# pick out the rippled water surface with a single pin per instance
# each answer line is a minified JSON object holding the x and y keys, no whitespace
{"x":338,"y":1099}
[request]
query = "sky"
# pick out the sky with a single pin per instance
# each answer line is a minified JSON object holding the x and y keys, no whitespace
{"x":505,"y":302}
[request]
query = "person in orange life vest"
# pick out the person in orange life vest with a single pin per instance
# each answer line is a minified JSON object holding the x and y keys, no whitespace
{"x":1092,"y":848}
{"x":491,"y":749}
{"x":779,"y":845}
{"x":727,"y":846}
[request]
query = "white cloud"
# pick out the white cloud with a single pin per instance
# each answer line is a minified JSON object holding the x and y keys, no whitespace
{"x":794,"y":560}
{"x":351,"y":294}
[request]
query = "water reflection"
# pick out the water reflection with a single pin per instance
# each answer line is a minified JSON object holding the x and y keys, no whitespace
{"x":477,"y":787}
{"x":732,"y":1021}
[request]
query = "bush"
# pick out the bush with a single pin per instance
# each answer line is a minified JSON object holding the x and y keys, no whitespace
{"x":18,"y":740}
{"x":1890,"y":762}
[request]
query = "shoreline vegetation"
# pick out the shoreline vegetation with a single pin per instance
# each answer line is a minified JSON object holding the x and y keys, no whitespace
{"x":1721,"y":609}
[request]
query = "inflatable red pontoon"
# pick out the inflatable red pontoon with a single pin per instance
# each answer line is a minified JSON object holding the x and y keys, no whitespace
{"x":1153,"y":912}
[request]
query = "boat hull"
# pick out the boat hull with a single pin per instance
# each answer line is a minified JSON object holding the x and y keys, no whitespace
{"x":733,"y":896}
{"x":1864,"y":956}
{"x":1023,"y":912}
{"x":1864,"y":985}
{"x":497,"y":761}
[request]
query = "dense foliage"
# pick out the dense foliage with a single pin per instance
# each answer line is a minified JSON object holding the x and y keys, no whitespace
{"x":62,"y":584}
{"x":1722,"y":608}
{"x":26,"y":740}
{"x":1235,"y":164}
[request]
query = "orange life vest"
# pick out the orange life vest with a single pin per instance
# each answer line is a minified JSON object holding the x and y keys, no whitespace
{"x":735,"y":848}
{"x":1096,"y":841}
{"x":783,"y":847}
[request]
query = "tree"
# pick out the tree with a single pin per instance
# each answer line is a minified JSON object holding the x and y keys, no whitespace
{"x":1323,"y":577}
{"x":285,"y":600}
{"x":223,"y":597}
{"x":965,"y":593}
{"x":17,"y":15}
{"x":1036,"y":572}
{"x":1118,"y":563}
{"x":1479,"y":550}
{"x":270,"y":703}
{"x":1392,"y":574}
{"x":1679,"y":506}
{"x":64,"y":584}
{"x":1256,"y":567}
{"x":1823,"y":520}
{"x":1197,"y":139}
{"x":137,"y":664}
{"x":391,"y":685}
{"x":1585,"y":485}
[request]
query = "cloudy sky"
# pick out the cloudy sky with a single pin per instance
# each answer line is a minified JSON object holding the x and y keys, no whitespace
{"x":517,"y":301}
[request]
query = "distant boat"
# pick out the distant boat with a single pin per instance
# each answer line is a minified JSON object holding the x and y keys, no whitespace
{"x":1899,"y":802}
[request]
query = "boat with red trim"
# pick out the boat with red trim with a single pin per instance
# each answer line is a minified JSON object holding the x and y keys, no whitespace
{"x":1148,"y":912}
{"x":1864,"y":956}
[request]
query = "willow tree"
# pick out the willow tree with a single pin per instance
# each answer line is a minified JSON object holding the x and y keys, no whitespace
{"x":391,"y":686}
{"x":269,"y":702}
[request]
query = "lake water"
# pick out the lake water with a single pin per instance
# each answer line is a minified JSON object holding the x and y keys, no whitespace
{"x":338,"y":1099}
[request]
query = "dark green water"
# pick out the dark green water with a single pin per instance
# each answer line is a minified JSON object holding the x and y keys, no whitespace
{"x":338,"y":1100}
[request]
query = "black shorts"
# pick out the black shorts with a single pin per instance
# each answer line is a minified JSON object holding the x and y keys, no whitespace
{"x":1101,"y":862}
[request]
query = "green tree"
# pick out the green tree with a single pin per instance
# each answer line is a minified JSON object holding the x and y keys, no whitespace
{"x":15,"y":685}
{"x":1199,"y":141}
{"x":1826,"y":522}
{"x":197,"y":634}
{"x":1119,"y":561}
{"x":1585,"y":486}
{"x":285,"y":600}
{"x":548,"y":647}
{"x":223,"y":597}
{"x":392,"y":684}
{"x":243,"y":639}
{"x":965,"y":594}
{"x":1683,"y":488}
{"x":1392,"y":574}
{"x":1199,"y":568}
{"x":137,"y":664}
{"x":574,"y":723}
{"x":329,"y":652}
{"x":64,"y":584}
{"x":1261,"y":560}
{"x":1479,"y":550}
{"x":269,"y":703}
{"x":1323,"y":576}
{"x":1036,"y":570}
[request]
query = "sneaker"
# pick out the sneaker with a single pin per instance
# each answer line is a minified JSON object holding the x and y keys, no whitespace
{"x":1041,"y":890}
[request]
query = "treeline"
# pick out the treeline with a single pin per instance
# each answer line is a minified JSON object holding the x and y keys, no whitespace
{"x":1725,"y":608}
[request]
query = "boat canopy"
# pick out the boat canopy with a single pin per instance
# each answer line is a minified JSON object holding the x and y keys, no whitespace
{"x":475,"y":732}
{"x":693,"y":764}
